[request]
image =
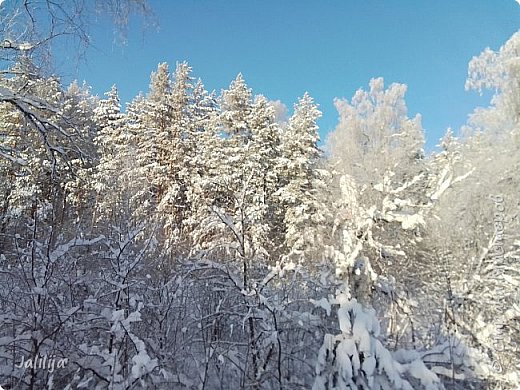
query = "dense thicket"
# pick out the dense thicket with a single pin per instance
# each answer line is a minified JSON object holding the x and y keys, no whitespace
{"x":195,"y":240}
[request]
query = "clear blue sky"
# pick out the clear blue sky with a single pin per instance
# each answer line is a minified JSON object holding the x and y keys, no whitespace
{"x":328,"y":48}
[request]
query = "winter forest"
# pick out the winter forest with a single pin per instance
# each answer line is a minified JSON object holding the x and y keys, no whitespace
{"x":199,"y":240}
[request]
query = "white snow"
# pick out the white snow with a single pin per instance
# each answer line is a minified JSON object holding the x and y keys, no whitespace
{"x":323,"y":303}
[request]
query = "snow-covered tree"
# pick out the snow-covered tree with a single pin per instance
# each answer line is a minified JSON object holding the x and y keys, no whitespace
{"x":173,"y":206}
{"x":498,"y":71}
{"x":356,"y":358}
{"x":226,"y":203}
{"x":111,"y":140}
{"x":374,"y":133}
{"x":154,"y":137}
{"x":42,"y":161}
{"x":476,"y":226}
{"x":160,"y":125}
{"x":303,"y":185}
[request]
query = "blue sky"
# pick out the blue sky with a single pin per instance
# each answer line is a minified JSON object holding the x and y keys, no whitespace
{"x":328,"y":48}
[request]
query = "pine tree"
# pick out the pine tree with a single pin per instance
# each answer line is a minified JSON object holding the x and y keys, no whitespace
{"x":205,"y":158}
{"x":149,"y":123}
{"x":236,"y":105}
{"x":154,"y":141}
{"x":111,"y":171}
{"x":174,"y":206}
{"x":302,"y":183}
{"x":264,"y":161}
{"x":225,"y":191}
{"x":79,"y":108}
